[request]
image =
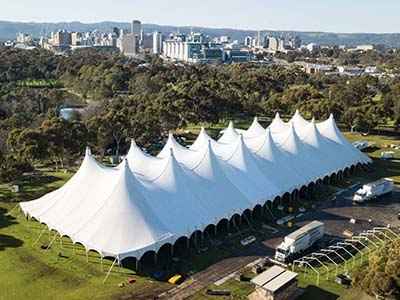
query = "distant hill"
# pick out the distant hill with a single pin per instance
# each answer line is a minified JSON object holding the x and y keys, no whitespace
{"x":8,"y":30}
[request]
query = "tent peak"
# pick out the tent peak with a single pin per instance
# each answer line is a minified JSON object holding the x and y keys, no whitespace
{"x":230,"y":125}
{"x":88,"y":152}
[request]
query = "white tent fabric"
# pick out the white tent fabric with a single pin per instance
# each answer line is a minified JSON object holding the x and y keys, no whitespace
{"x":148,"y":201}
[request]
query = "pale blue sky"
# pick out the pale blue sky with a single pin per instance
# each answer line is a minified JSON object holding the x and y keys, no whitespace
{"x":310,"y":15}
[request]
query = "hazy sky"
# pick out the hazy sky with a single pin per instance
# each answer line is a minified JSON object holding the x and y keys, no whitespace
{"x":311,"y":15}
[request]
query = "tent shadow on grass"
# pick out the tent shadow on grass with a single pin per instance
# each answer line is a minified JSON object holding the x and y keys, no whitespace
{"x":314,"y":292}
{"x":6,"y":220}
{"x":8,"y":241}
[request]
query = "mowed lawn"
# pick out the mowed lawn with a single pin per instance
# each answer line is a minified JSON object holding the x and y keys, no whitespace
{"x":29,"y":272}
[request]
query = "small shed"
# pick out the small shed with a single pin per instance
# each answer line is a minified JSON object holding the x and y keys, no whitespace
{"x":276,"y":283}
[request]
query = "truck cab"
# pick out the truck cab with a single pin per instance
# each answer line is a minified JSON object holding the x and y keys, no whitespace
{"x":282,"y":253}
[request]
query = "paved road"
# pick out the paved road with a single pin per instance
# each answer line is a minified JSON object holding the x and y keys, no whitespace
{"x":336,"y":216}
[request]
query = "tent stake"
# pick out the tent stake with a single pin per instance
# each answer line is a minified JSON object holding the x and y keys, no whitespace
{"x":109,"y":271}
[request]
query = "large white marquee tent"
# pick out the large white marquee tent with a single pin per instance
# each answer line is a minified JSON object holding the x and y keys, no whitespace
{"x":148,"y":201}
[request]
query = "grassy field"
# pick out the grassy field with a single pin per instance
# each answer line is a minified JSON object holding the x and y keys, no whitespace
{"x":27,"y":271}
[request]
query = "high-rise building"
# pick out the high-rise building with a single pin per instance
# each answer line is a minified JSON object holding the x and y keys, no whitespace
{"x":157,"y":42}
{"x":248,"y":41}
{"x":129,"y":44}
{"x":76,"y":38}
{"x":61,"y":39}
{"x":136,"y":27}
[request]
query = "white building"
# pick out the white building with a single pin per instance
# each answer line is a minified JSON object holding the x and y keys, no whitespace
{"x":157,"y":42}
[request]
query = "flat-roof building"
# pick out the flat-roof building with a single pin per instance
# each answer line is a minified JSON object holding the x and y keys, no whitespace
{"x":276,"y":283}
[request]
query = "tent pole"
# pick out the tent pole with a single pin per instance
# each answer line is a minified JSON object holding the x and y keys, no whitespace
{"x":87,"y":257}
{"x":40,"y":235}
{"x":137,"y":265}
{"x":172,"y":251}
{"x":109,"y":271}
{"x":54,"y":238}
{"x":215,"y":230}
{"x":101,"y":262}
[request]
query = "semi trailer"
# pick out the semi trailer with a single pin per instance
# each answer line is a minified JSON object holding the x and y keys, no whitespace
{"x":299,"y":241}
{"x":373,"y":190}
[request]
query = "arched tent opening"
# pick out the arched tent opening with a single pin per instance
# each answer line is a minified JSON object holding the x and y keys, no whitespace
{"x":303,"y":192}
{"x":268,"y":209}
{"x":181,"y":247}
{"x":210,"y":231}
{"x":276,"y":202}
{"x":346,"y":172}
{"x":359,"y":167}
{"x":223,"y":226}
{"x":148,"y":261}
{"x":286,"y":198}
{"x":131,"y":263}
{"x":339,"y":176}
{"x":352,"y":169}
{"x":234,"y":223}
{"x":310,"y":190}
{"x":246,"y":218}
{"x":293,"y":196}
{"x":257,"y":213}
{"x":196,"y":239}
{"x":333,"y":178}
{"x":325,"y":180}
{"x":164,"y":255}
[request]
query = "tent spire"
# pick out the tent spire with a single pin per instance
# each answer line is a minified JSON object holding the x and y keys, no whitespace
{"x":88,"y":152}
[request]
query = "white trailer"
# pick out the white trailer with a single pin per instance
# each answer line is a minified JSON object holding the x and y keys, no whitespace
{"x":299,"y":241}
{"x":361,"y":145}
{"x":373,"y":190}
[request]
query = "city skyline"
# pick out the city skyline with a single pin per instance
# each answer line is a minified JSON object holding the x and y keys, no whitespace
{"x":313,"y":15}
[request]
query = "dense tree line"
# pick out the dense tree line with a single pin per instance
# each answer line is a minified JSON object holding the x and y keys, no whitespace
{"x":381,"y":275}
{"x":125,"y":98}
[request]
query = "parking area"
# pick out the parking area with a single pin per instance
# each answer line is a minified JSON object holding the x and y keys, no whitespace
{"x":340,"y":216}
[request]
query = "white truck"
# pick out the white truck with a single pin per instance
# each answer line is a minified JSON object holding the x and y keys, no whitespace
{"x":299,"y":241}
{"x":373,"y":190}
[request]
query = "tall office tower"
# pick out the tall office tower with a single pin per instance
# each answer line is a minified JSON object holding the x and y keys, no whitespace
{"x":136,"y":27}
{"x":259,"y":41}
{"x":76,"y":38}
{"x":129,"y":44}
{"x":116,"y":31}
{"x":248,"y":41}
{"x":157,"y":42}
{"x":61,"y":38}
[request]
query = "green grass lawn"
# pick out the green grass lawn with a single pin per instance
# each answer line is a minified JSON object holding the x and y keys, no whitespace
{"x":29,"y":272}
